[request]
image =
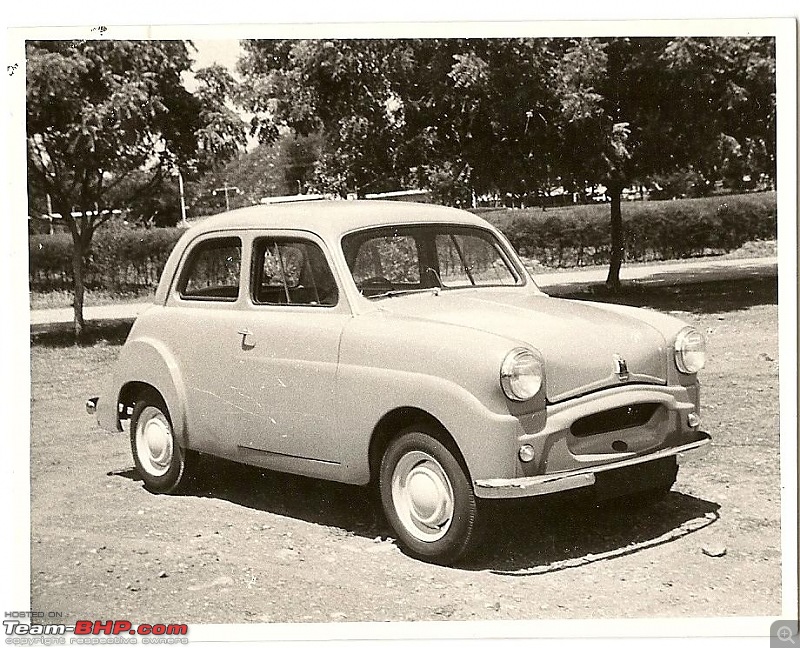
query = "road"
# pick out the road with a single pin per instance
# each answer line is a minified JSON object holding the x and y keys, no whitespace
{"x":675,"y":272}
{"x":660,"y":273}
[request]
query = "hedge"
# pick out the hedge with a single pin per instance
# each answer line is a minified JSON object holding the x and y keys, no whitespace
{"x":121,"y":259}
{"x":654,"y":230}
{"x":124,"y":259}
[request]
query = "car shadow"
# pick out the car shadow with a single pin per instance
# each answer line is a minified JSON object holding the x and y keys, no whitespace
{"x":572,"y":529}
{"x":523,"y":537}
{"x":349,"y":507}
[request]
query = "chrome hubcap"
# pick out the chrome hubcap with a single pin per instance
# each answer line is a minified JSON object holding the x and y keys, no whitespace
{"x":422,"y":496}
{"x":154,"y":442}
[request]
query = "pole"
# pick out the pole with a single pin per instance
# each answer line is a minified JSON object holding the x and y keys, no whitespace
{"x":183,"y":202}
{"x":49,"y":215}
{"x":225,"y":188}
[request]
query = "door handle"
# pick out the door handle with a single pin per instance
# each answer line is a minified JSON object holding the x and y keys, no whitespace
{"x":244,"y":333}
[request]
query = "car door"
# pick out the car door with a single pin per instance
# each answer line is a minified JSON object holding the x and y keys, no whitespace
{"x":204,"y":303}
{"x":288,"y":334}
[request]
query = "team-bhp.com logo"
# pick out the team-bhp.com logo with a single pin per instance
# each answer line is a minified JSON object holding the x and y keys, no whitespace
{"x":119,"y":631}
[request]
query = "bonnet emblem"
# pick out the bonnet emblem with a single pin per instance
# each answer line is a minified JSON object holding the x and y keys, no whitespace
{"x":620,"y":367}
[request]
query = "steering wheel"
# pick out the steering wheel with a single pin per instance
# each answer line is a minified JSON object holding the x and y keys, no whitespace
{"x":375,"y":281}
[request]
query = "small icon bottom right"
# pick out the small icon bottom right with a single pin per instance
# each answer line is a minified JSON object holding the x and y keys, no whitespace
{"x":783,"y":632}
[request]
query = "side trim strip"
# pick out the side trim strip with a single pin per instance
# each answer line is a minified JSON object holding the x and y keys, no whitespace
{"x":289,"y":456}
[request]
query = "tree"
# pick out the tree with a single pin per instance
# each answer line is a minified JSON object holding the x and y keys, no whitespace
{"x":284,"y":167}
{"x":477,"y":114}
{"x":336,"y":88}
{"x":635,"y":108}
{"x":443,"y":113}
{"x":159,"y":207}
{"x":109,"y":120}
{"x":520,"y":116}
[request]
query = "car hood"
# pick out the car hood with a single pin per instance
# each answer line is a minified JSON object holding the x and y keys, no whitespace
{"x":578,"y":340}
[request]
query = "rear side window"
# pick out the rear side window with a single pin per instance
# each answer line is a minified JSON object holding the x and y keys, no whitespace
{"x":292,"y":272}
{"x":213,"y":270}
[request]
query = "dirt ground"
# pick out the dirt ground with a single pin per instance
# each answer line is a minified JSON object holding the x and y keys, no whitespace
{"x":256,"y":546}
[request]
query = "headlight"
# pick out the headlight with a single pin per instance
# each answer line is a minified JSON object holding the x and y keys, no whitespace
{"x":690,"y":350}
{"x":521,"y":374}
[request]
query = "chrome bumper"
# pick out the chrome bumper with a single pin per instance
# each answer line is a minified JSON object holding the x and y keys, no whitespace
{"x":555,"y":482}
{"x":91,"y":405}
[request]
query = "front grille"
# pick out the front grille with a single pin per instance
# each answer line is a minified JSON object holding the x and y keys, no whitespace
{"x":618,"y":418}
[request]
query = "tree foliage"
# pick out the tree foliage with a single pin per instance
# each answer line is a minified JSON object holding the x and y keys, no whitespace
{"x":282,"y":168}
{"x":643,"y":109}
{"x":108,"y":120}
{"x":519,"y":116}
{"x":466,"y":112}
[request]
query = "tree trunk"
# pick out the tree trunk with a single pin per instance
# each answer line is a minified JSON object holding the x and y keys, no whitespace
{"x":79,"y":326}
{"x":81,"y":238}
{"x":617,"y":239}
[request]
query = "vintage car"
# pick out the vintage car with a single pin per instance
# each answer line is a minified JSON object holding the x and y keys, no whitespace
{"x":404,"y":346}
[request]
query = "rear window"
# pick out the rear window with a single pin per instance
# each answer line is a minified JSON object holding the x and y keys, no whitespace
{"x":213,"y":270}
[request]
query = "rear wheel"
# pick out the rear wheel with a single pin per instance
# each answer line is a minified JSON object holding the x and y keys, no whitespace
{"x":164,"y":466}
{"x":427,"y":497}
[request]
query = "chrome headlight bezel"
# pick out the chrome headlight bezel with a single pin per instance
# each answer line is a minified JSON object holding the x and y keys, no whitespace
{"x":521,"y":374}
{"x":690,"y":350}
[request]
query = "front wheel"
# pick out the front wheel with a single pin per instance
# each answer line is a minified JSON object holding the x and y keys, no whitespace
{"x":164,"y":466}
{"x":427,"y":497}
{"x":662,"y":480}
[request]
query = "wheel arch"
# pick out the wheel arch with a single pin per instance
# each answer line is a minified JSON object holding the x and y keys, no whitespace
{"x":132,"y":392}
{"x":394,"y":422}
{"x":147,"y":366}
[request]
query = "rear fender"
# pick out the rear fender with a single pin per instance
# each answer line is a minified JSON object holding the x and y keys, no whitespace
{"x":149,"y":361}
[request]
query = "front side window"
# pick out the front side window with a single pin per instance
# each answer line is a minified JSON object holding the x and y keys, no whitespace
{"x":292,"y":272}
{"x":212,"y":270}
{"x":409,"y":258}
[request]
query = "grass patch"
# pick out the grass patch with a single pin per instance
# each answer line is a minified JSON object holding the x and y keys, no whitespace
{"x":715,"y":296}
{"x":97,"y":332}
{"x":42,"y":300}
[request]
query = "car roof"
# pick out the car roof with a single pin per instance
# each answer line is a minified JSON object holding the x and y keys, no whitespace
{"x":332,"y":218}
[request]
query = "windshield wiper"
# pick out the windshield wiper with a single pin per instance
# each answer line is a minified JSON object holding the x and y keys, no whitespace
{"x":404,"y":291}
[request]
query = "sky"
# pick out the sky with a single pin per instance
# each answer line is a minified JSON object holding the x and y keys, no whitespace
{"x":223,"y":51}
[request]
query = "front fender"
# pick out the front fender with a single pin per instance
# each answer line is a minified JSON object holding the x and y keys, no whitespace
{"x":387,"y":363}
{"x":486,"y":439}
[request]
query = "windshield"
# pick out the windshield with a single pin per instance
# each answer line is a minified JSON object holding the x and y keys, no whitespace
{"x":389,"y":261}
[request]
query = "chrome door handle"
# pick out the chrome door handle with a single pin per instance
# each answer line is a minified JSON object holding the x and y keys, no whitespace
{"x":244,"y":333}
